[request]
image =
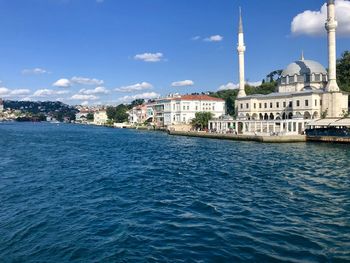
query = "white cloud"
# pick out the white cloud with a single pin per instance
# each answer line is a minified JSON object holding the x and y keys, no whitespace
{"x":232,"y":86}
{"x":146,"y":95}
{"x":229,"y":85}
{"x":135,"y":87}
{"x":149,"y":57}
{"x":66,"y":83}
{"x":35,"y":71}
{"x":62,"y":83}
{"x":182,"y":83}
{"x":4,"y":91}
{"x":48,"y":92}
{"x":84,"y":97}
{"x":87,"y":81}
{"x":84,"y":103}
{"x":215,"y":38}
{"x":97,"y":90}
{"x":312,"y":22}
{"x":196,"y":38}
{"x":20,"y":92}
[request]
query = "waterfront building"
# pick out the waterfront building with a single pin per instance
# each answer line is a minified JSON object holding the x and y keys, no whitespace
{"x":182,"y":109}
{"x":100,"y":117}
{"x":1,"y":105}
{"x":305,"y":91}
{"x":138,"y":114}
{"x":81,"y":116}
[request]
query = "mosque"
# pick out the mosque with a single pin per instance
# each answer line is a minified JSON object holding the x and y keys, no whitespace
{"x":305,"y":92}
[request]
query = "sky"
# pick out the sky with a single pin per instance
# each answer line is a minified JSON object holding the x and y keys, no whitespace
{"x":113,"y":51}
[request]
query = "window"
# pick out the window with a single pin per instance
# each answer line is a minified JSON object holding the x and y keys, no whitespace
{"x":277,"y":104}
{"x":188,"y":107}
{"x":184,"y":107}
{"x":265,"y":105}
{"x":284,"y":104}
{"x":254,"y":105}
{"x":260,"y":106}
{"x":315,"y":102}
{"x":306,"y":103}
{"x":298,"y":103}
{"x":174,"y":106}
{"x":271,"y":105}
{"x":320,"y":102}
{"x":247,"y":106}
{"x":196,"y":107}
{"x":241,"y":105}
{"x":213,"y":108}
{"x":291,"y":104}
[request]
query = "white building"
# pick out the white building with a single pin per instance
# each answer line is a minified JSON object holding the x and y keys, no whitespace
{"x":138,"y":114}
{"x":305,"y":91}
{"x":1,"y":105}
{"x":182,"y":109}
{"x":100,"y":117}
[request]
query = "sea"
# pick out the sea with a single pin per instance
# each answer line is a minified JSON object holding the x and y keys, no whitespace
{"x":74,"y":193}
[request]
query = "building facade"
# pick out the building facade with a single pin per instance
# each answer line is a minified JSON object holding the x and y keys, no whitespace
{"x":305,"y":91}
{"x":138,"y":114}
{"x":182,"y":109}
{"x":100,"y":117}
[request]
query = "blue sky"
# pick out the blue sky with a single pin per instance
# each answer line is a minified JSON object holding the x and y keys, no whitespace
{"x":113,"y":51}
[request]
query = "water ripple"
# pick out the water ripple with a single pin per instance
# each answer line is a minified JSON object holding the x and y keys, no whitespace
{"x":88,"y":194}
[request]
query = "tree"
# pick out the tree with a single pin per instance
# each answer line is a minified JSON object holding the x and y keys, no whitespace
{"x":118,"y":114}
{"x":201,"y":120}
{"x":121,"y":114}
{"x":136,"y":102}
{"x":343,"y":71}
{"x":90,"y":117}
{"x":230,"y":95}
{"x":274,"y":75}
{"x":111,"y":111}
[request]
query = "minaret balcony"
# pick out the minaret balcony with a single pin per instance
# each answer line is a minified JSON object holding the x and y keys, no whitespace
{"x":331,"y":25}
{"x":241,"y":48}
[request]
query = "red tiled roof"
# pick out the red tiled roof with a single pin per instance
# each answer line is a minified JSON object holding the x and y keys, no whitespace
{"x":199,"y":97}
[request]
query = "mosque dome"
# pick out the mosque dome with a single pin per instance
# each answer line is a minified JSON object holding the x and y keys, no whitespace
{"x":304,"y":67}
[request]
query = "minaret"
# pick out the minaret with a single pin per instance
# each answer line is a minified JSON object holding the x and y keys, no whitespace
{"x":331,"y":26}
{"x":241,"y":49}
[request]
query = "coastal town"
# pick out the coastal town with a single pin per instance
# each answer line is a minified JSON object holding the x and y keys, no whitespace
{"x":305,"y":96}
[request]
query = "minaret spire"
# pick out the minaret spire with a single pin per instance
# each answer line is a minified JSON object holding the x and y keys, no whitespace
{"x":241,"y":49}
{"x":240,"y":29}
{"x":331,"y":26}
{"x":302,"y":55}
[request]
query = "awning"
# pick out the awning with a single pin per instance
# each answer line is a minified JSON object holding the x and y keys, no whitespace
{"x":322,"y":122}
{"x":341,"y":122}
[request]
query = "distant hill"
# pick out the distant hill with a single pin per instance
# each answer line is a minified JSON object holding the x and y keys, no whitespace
{"x":55,"y":109}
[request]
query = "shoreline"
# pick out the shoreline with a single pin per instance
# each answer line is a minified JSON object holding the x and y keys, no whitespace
{"x":233,"y":137}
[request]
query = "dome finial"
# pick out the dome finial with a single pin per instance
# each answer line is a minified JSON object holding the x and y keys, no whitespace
{"x":302,"y":55}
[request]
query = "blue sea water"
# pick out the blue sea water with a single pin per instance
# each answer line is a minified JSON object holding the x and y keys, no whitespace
{"x":72,"y":193}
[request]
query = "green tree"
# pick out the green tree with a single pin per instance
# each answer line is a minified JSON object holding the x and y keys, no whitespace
{"x":136,"y":102}
{"x":111,"y":111}
{"x":90,"y":116}
{"x":121,"y":114}
{"x":343,"y":71}
{"x":230,"y":95}
{"x":201,"y":120}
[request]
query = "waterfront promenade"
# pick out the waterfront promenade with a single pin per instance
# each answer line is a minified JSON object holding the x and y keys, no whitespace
{"x":233,"y":137}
